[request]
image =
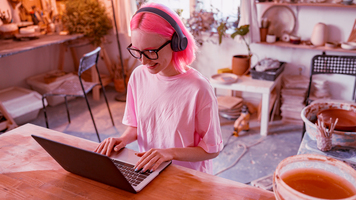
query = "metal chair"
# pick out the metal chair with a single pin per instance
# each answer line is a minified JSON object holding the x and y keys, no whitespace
{"x":79,"y":87}
{"x":331,"y":64}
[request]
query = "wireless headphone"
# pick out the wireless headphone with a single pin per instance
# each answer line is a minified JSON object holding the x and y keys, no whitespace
{"x":179,"y":40}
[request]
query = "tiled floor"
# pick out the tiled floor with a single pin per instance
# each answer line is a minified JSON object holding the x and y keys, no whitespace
{"x":259,"y":155}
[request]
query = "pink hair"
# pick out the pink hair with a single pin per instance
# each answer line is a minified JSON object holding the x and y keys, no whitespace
{"x":153,"y":23}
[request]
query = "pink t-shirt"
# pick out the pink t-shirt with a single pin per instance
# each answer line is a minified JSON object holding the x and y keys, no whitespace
{"x":177,"y":111}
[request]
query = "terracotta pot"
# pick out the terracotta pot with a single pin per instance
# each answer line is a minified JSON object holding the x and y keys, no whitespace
{"x":119,"y":85}
{"x":263,"y":34}
{"x":240,"y":64}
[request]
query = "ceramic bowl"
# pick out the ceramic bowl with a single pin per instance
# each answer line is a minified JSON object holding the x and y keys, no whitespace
{"x":346,"y":118}
{"x":309,"y":116}
{"x":294,"y":39}
{"x":331,"y":44}
{"x":348,"y":45}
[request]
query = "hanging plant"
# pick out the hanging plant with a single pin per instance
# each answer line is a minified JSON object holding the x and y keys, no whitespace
{"x":87,"y":17}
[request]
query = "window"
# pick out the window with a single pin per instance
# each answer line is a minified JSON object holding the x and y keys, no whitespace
{"x":175,"y":5}
{"x":226,"y":7}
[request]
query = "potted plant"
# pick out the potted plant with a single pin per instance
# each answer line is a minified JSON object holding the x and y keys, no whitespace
{"x":241,"y":63}
{"x":88,"y":17}
{"x":201,"y":21}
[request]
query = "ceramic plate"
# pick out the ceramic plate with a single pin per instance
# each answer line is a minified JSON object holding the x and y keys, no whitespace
{"x":224,"y":78}
{"x":282,"y":19}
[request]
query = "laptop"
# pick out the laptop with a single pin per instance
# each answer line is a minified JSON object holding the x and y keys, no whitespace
{"x":116,"y":170}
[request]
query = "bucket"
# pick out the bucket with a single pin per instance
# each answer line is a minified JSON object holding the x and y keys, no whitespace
{"x":314,"y":177}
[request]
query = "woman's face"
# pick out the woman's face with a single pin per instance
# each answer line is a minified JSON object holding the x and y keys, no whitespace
{"x":145,"y":41}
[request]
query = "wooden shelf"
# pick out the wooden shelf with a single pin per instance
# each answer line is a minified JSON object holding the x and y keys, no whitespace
{"x":304,"y":46}
{"x":310,"y":4}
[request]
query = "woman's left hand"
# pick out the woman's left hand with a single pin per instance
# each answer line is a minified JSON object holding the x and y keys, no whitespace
{"x":152,"y":159}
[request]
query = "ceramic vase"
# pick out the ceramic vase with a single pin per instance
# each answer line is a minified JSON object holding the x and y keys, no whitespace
{"x":318,"y":37}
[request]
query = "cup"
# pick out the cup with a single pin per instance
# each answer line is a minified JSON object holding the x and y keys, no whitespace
{"x":271,"y":38}
{"x":263,"y":34}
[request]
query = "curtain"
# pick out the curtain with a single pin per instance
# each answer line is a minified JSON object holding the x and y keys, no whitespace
{"x":124,"y":9}
{"x":249,"y":16}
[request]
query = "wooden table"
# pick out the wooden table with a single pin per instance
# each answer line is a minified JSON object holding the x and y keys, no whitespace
{"x":247,"y":84}
{"x":28,"y":172}
{"x":11,"y":47}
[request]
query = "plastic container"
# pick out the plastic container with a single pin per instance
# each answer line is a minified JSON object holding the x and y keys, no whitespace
{"x":313,"y":163}
{"x":309,"y":116}
{"x":22,"y":104}
{"x":41,"y":85}
{"x":269,"y":75}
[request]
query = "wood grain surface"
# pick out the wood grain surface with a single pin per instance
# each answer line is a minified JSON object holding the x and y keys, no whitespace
{"x":28,"y":172}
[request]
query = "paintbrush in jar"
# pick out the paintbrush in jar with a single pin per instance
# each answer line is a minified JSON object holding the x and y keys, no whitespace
{"x":324,"y":137}
{"x":321,"y":126}
{"x":332,"y":126}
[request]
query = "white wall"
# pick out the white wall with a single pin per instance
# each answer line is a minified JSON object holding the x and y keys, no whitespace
{"x":338,"y":20}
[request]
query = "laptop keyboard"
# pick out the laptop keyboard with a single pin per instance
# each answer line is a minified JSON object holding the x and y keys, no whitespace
{"x":128,"y":170}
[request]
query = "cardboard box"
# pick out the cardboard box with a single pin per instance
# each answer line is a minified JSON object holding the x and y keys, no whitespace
{"x":22,"y":104}
{"x":40,"y":84}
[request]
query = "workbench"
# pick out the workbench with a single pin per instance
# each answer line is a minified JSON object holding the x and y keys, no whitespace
{"x":27,"y":171}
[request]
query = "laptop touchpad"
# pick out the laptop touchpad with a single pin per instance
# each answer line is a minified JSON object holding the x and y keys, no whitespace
{"x":126,"y":155}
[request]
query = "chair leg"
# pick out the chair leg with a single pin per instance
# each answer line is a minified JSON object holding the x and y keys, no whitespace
{"x":92,"y":118}
{"x":107,"y":104}
{"x":303,"y":131}
{"x":68,"y":116}
{"x":44,"y":110}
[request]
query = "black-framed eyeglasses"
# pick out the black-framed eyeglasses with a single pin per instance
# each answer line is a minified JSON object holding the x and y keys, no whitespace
{"x":151,"y":54}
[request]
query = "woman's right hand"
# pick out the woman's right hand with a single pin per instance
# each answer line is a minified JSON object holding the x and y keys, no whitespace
{"x":110,"y":144}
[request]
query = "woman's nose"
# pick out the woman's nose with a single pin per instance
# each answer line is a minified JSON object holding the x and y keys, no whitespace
{"x":144,"y":60}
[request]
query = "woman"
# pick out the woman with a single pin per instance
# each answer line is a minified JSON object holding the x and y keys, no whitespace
{"x":171,"y":109}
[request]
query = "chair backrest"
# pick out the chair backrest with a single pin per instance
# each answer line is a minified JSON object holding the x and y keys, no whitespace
{"x":331,"y":64}
{"x":88,"y":60}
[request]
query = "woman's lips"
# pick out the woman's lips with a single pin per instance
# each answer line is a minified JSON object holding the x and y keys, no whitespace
{"x":152,"y":66}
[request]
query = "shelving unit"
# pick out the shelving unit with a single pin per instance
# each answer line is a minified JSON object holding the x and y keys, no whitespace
{"x":310,"y":4}
{"x":304,"y":46}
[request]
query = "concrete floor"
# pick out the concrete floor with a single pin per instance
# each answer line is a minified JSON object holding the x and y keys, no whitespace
{"x":261,"y":157}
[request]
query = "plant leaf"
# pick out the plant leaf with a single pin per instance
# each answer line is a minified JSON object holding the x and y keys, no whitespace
{"x":242,"y":30}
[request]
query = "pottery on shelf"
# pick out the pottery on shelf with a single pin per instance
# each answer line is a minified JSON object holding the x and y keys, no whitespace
{"x":318,"y":37}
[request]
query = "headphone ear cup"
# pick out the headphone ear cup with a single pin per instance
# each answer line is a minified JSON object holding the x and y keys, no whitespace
{"x":175,"y":42}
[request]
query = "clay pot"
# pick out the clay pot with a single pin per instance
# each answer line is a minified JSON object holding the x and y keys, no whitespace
{"x":263,"y":34}
{"x":240,"y":64}
{"x":119,"y":85}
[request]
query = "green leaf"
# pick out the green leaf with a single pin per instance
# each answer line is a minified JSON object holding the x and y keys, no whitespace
{"x":242,"y":30}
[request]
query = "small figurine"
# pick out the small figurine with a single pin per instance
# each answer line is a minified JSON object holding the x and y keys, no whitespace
{"x":242,"y":123}
{"x":5,"y":19}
